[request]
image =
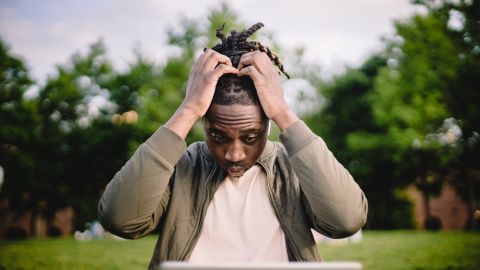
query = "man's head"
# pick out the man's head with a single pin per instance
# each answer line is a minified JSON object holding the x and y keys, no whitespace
{"x":236,"y":128}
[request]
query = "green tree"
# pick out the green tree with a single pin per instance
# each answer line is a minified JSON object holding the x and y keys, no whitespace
{"x":80,"y":147}
{"x":427,"y":98}
{"x":18,"y":122}
{"x":347,"y":124}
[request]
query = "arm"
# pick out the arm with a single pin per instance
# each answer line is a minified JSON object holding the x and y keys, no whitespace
{"x":336,"y":204}
{"x":137,"y":196}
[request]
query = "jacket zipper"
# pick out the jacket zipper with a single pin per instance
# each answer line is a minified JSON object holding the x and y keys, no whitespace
{"x":293,"y":247}
{"x":198,"y":223}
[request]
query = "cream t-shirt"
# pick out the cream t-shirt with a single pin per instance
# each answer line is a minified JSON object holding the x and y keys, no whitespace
{"x":240,"y":224}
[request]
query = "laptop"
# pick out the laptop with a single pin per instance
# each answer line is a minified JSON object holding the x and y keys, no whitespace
{"x":261,"y":266}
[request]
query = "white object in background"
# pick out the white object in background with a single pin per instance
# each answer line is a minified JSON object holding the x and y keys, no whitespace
{"x":322,"y":239}
{"x":356,"y":238}
{"x":261,"y":266}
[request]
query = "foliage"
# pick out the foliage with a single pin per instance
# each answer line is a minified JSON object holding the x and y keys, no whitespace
{"x":80,"y":145}
{"x":18,"y":122}
{"x":409,"y":114}
{"x":347,"y":124}
{"x":427,"y":99}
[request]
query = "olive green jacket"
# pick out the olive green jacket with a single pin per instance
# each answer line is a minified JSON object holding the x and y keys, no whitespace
{"x":170,"y":186}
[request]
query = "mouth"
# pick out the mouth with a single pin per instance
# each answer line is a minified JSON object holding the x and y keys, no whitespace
{"x":235,"y":171}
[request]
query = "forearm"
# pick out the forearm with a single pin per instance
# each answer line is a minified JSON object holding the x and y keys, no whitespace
{"x":133,"y":201}
{"x":337,"y":204}
{"x":182,"y":122}
{"x":285,"y":119}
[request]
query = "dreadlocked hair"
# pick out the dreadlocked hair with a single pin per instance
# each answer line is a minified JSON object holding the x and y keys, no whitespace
{"x":236,"y":45}
{"x":230,"y":88}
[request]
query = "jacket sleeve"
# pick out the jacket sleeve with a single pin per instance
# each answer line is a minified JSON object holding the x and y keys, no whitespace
{"x":335,"y":203}
{"x":136,"y":197}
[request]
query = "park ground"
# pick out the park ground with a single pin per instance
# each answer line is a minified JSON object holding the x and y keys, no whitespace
{"x":378,"y":250}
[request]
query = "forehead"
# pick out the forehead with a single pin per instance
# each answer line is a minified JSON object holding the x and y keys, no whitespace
{"x":235,"y":116}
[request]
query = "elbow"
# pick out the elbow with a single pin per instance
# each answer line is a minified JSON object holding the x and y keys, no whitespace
{"x":344,"y":222}
{"x":345,"y":227}
{"x":350,"y":226}
{"x":354,"y":219}
{"x":342,"y":229}
{"x":112,"y":222}
{"x":359,"y":218}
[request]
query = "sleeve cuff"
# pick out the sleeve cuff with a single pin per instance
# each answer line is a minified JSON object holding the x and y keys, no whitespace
{"x":168,"y":144}
{"x":296,"y":136}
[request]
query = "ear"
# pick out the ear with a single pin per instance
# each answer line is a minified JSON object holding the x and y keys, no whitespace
{"x":204,"y":121}
{"x":269,"y":127}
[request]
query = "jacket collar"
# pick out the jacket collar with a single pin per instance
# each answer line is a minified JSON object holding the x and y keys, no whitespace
{"x":269,"y":150}
{"x":267,"y":158}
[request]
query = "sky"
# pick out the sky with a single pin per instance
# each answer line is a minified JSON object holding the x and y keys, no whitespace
{"x":334,"y":33}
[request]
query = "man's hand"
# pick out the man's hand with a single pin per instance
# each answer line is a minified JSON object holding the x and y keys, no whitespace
{"x":202,"y":80}
{"x":266,"y":79}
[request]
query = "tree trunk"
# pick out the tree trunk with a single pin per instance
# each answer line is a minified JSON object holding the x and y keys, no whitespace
{"x":471,"y":204}
{"x":426,"y":207}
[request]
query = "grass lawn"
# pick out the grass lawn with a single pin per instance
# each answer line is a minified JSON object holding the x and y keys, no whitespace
{"x":410,"y":250}
{"x":378,"y":250}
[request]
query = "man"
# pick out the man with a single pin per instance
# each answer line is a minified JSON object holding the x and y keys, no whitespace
{"x":237,"y":196}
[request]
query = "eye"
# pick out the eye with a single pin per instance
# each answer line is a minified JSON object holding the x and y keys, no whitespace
{"x":218,"y":138}
{"x":249,"y":139}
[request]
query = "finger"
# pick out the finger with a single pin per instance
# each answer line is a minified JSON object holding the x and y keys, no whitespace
{"x":199,"y":63}
{"x":207,"y":53}
{"x":223,"y":69}
{"x":256,"y":58}
{"x":214,"y":58}
{"x":245,"y":61}
{"x":252,"y":72}
{"x":204,"y":57}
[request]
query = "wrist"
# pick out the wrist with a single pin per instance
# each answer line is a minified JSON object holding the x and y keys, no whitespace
{"x":182,"y":121}
{"x":285,"y":119}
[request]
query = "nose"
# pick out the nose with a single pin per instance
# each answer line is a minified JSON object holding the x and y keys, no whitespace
{"x":235,"y":152}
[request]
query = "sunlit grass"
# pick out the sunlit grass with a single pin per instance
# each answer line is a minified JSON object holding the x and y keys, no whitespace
{"x":66,"y":253}
{"x":411,"y":250}
{"x":378,"y":250}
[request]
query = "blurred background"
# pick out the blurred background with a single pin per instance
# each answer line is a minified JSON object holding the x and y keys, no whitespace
{"x":391,"y":86}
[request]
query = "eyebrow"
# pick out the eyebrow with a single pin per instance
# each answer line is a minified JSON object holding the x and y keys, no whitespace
{"x":215,"y":130}
{"x":251,"y":130}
